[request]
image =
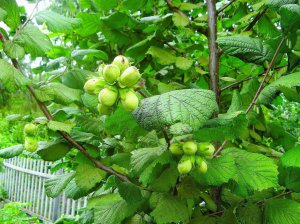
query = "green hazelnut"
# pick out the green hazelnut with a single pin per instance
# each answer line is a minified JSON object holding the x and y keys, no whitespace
{"x":30,"y":144}
{"x":30,"y":129}
{"x":189,"y":148}
{"x":104,"y":110}
{"x":129,"y":77}
{"x":175,"y":149}
{"x":111,"y":73}
{"x":184,"y":167}
{"x":108,"y":96}
{"x":94,"y":85}
{"x":130,"y":101}
{"x":122,"y":62}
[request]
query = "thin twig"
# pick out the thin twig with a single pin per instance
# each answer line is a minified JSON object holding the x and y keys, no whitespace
{"x":248,"y":78}
{"x":258,"y":203}
{"x":260,"y":88}
{"x":256,"y":18}
{"x":164,"y":131}
{"x":219,"y":149}
{"x":274,"y":197}
{"x":27,"y":21}
{"x":225,"y":6}
{"x":169,"y":4}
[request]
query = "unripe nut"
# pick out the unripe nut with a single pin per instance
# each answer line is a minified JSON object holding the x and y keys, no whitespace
{"x":130,"y":101}
{"x":94,"y":85}
{"x":108,"y":97}
{"x":111,"y":73}
{"x":206,"y":149}
{"x":175,"y":149}
{"x":202,"y":167}
{"x":104,"y":110}
{"x":184,"y":167}
{"x":31,"y":144}
{"x":30,"y":129}
{"x":129,"y":77}
{"x":122,"y":62}
{"x":189,"y":148}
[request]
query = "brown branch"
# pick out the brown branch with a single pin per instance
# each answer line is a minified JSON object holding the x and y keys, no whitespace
{"x":256,"y":18}
{"x":258,"y":203}
{"x":249,"y":78}
{"x":164,"y":131}
{"x":213,"y":48}
{"x":260,"y":88}
{"x":274,"y":197}
{"x":65,"y":135}
{"x":169,"y":4}
{"x":220,"y":149}
{"x":27,"y":21}
{"x":225,"y":6}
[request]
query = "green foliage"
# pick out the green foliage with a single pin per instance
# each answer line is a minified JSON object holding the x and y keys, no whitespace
{"x":11,"y":151}
{"x":285,"y":84}
{"x":289,"y":169}
{"x":10,"y":77}
{"x":58,"y":93}
{"x":111,"y":208}
{"x":13,"y":213}
{"x":168,"y":209}
{"x":88,"y":176}
{"x":55,"y":185}
{"x":282,"y":211}
{"x":163,"y":150}
{"x":220,"y":170}
{"x":255,"y":172}
{"x":34,"y":41}
{"x":51,"y":151}
{"x":225,"y":127}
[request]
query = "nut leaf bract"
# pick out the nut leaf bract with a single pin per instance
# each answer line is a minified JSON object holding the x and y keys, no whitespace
{"x":189,"y":106}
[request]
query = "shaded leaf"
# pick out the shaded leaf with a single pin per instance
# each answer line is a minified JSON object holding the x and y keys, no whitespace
{"x":225,"y":127}
{"x":51,"y":151}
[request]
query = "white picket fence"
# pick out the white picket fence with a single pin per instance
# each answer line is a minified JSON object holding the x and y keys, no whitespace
{"x":24,"y":179}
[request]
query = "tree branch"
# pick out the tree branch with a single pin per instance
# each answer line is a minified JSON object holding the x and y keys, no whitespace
{"x":225,"y":6}
{"x":213,"y":48}
{"x":258,"y":203}
{"x":260,"y":88}
{"x":249,"y":78}
{"x":169,"y":4}
{"x":175,"y":9}
{"x":65,"y":135}
{"x":27,"y":21}
{"x":256,"y":18}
